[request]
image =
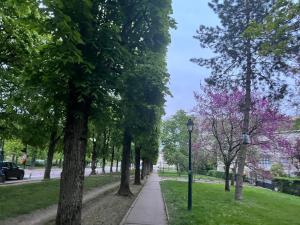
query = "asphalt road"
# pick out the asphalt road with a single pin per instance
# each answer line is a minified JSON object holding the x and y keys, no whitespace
{"x":37,"y":174}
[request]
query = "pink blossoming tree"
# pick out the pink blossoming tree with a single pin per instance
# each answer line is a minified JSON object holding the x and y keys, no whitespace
{"x":220,"y":118}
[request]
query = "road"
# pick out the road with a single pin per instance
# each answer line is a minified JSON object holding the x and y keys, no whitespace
{"x":37,"y":174}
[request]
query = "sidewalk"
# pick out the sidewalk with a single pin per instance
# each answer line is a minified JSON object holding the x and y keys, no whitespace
{"x":148,"y":208}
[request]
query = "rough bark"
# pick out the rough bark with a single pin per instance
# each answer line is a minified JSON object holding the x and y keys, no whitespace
{"x":137,"y":176}
{"x":51,"y":149}
{"x":124,"y":189}
{"x":117,"y":166}
{"x":103,"y":164}
{"x":143,"y":170}
{"x":94,"y":158}
{"x":112,"y":159}
{"x":241,"y":157}
{"x":227,"y":178}
{"x":72,"y":177}
{"x":233,"y":173}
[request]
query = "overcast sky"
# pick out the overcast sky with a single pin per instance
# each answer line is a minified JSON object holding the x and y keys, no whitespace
{"x":185,"y":75}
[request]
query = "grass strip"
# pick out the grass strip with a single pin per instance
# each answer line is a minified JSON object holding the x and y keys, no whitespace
{"x":21,"y":199}
{"x":213,"y":206}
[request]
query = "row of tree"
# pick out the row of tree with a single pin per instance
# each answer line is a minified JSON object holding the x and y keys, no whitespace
{"x":84,"y":72}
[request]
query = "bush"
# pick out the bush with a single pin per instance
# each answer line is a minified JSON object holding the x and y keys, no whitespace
{"x":218,"y":174}
{"x":287,"y":185}
{"x":277,"y":170}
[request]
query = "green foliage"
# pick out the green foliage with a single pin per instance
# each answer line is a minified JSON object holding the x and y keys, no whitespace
{"x":297,"y":124}
{"x":13,"y":147}
{"x":174,"y":138}
{"x":234,"y":51}
{"x":278,"y":30}
{"x":211,"y":205}
{"x":277,"y":170}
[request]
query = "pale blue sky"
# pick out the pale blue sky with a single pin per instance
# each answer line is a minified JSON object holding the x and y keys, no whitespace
{"x":185,"y":75}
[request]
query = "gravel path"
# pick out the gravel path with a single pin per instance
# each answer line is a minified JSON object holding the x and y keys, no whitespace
{"x":108,"y":209}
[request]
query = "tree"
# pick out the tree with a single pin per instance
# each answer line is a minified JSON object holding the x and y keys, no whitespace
{"x":174,"y":138}
{"x":219,"y":116}
{"x":237,"y":60}
{"x":279,"y":32}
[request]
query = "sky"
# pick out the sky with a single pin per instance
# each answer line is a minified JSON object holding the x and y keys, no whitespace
{"x":185,"y":75}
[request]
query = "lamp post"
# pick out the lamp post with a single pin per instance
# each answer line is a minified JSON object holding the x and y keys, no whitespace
{"x":190,"y":126}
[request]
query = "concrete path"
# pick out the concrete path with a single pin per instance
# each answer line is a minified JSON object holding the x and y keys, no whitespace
{"x":148,"y":208}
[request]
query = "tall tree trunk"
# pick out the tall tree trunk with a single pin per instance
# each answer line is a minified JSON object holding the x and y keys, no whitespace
{"x":33,"y":159}
{"x":227,"y":178}
{"x":112,"y":158}
{"x":233,"y":173}
{"x":72,"y":177}
{"x":117,"y":166}
{"x":94,"y":157}
{"x":51,"y":149}
{"x":60,"y":163}
{"x":241,"y":157}
{"x":147,"y":167}
{"x":143,"y":170}
{"x":124,"y":189}
{"x":137,"y":176}
{"x":1,"y":150}
{"x":103,"y":164}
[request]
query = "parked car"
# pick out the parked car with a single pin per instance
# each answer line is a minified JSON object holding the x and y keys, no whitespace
{"x":11,"y":170}
{"x":2,"y":176}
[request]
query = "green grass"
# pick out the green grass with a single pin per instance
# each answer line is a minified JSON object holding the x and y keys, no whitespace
{"x":174,"y":174}
{"x":22,"y":199}
{"x":213,"y":206}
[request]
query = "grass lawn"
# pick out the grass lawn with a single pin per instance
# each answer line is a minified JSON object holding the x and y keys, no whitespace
{"x":174,"y":174}
{"x":212,"y":206}
{"x":22,"y":199}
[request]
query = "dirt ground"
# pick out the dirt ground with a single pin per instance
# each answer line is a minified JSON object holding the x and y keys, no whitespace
{"x":105,"y":209}
{"x":108,"y":209}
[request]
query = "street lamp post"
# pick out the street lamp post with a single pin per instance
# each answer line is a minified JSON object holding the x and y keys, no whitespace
{"x":190,"y":126}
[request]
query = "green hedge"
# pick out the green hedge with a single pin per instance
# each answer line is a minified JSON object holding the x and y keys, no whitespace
{"x":287,"y":185}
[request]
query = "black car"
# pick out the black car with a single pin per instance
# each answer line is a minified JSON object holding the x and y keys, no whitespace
{"x":11,"y":170}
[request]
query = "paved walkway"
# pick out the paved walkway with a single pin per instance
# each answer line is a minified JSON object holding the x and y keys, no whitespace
{"x":148,"y":208}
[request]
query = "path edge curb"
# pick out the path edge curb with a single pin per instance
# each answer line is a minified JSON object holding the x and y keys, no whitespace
{"x":132,"y":205}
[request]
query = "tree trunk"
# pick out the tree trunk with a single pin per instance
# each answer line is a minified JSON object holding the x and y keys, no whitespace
{"x":94,"y":158}
{"x":117,"y":166}
{"x":60,"y":163}
{"x":227,"y":178}
{"x":137,"y":177}
{"x":233,"y":177}
{"x":72,"y":177}
{"x":51,"y":150}
{"x":112,"y":159}
{"x":103,"y":164}
{"x":147,"y":167}
{"x":1,"y":150}
{"x":124,"y":189}
{"x":32,"y":163}
{"x":241,"y":157}
{"x":143,"y":170}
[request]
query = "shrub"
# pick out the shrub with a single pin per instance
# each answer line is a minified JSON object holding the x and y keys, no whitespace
{"x":218,"y":174}
{"x":277,"y":170}
{"x":287,"y":185}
